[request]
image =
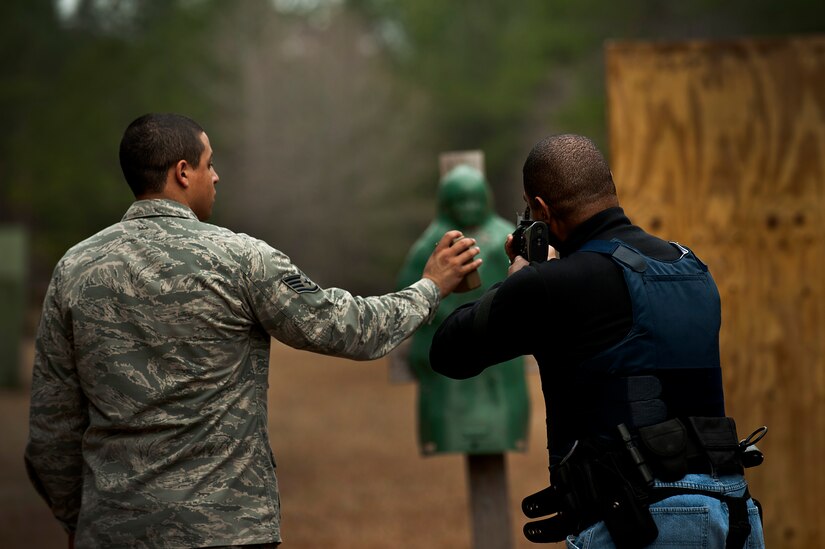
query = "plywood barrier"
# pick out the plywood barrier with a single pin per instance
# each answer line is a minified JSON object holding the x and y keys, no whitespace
{"x":721,"y":146}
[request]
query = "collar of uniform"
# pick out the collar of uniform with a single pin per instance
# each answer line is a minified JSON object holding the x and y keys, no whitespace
{"x":158,"y":207}
{"x":594,"y":227}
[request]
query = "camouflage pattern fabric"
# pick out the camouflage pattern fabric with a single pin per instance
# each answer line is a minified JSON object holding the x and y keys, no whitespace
{"x":148,"y":422}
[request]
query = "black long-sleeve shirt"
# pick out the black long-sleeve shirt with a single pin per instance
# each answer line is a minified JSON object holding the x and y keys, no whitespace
{"x":561,"y":311}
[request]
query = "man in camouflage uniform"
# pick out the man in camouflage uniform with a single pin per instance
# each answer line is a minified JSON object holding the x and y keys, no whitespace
{"x":148,"y":422}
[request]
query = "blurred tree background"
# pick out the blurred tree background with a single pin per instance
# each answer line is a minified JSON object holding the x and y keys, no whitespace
{"x":326,"y":116}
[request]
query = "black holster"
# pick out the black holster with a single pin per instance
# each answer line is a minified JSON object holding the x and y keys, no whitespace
{"x":586,"y":491}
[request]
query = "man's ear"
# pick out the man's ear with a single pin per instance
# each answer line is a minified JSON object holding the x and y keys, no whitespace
{"x":181,"y":171}
{"x":554,"y":223}
{"x":543,"y":207}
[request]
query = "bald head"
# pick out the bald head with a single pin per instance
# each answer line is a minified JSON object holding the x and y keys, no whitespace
{"x":570,"y":174}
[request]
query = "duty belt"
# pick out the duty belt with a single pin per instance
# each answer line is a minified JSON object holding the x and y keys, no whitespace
{"x":613,"y":481}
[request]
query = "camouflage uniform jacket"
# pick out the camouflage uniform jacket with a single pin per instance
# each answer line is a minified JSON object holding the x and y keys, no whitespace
{"x":148,"y":423}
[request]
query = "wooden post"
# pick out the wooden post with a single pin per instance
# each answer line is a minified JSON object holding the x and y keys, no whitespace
{"x":489,"y":501}
{"x":449,"y":160}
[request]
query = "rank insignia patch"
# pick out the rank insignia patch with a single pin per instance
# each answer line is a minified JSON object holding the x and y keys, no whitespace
{"x":300,"y":284}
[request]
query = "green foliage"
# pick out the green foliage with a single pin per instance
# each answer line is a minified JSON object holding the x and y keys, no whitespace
{"x":484,"y":63}
{"x":67,"y":99}
{"x":478,"y":62}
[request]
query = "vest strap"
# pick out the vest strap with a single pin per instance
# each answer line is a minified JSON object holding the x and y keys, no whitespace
{"x":617,"y":250}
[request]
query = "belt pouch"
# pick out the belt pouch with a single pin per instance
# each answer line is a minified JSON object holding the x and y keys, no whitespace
{"x":666,"y":445}
{"x":717,"y":435}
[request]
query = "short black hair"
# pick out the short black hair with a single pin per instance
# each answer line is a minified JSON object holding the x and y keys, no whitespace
{"x":152,"y":144}
{"x":568,"y":172}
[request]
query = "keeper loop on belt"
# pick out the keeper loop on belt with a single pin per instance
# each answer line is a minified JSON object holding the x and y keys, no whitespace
{"x":754,"y":437}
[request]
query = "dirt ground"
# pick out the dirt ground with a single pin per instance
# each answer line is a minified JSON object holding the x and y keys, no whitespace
{"x":349,"y":469}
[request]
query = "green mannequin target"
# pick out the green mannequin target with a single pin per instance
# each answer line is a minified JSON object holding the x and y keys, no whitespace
{"x":487,"y":414}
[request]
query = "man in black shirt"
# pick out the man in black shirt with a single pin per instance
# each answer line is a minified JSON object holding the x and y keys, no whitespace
{"x":625,"y":329}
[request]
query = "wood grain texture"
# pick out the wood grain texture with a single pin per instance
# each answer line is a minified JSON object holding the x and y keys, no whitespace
{"x":721,"y":146}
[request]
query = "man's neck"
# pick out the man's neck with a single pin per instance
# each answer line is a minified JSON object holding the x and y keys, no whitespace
{"x":161,"y":195}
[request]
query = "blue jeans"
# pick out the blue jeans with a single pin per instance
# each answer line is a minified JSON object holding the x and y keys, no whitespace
{"x":687,"y":520}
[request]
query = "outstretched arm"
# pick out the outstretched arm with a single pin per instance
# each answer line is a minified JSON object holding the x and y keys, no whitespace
{"x":331,"y":321}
